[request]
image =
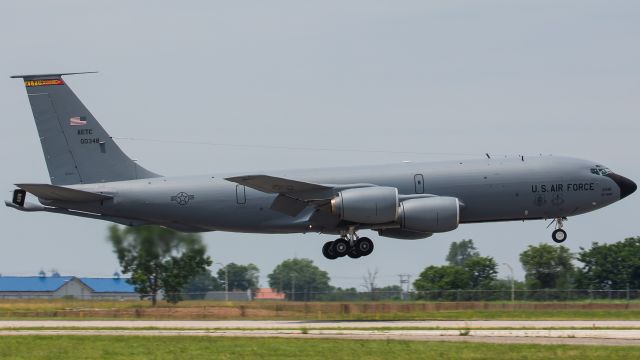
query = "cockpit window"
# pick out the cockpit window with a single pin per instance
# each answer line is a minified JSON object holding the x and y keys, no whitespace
{"x":600,"y":170}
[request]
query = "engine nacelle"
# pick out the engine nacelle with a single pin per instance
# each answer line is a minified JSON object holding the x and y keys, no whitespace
{"x":430,"y":215}
{"x":368,"y":205}
{"x":403,"y":234}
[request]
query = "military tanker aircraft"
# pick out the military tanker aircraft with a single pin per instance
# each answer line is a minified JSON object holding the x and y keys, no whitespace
{"x":92,"y":178}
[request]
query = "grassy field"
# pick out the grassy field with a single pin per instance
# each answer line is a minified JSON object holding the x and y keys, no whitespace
{"x":211,"y":310}
{"x":140,"y":347}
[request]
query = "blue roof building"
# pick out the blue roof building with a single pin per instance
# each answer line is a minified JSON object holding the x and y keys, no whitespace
{"x":108,"y":285}
{"x":32,"y":283}
{"x":65,"y":286}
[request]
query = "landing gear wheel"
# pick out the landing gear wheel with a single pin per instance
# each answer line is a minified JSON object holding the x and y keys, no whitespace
{"x":559,"y":236}
{"x":340,"y":247}
{"x":364,"y":246}
{"x":327,"y":251}
{"x":353,"y":253}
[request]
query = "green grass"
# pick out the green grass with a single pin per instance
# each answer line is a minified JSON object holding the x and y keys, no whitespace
{"x":302,"y":330}
{"x":310,"y":327}
{"x":525,"y":315}
{"x":211,"y":310}
{"x":463,"y":315}
{"x":140,"y":347}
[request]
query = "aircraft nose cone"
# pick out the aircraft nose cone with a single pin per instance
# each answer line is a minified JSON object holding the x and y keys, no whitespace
{"x":627,"y":187}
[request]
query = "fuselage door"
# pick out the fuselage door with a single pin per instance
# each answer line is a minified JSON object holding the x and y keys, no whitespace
{"x":241,"y":194}
{"x":418,"y":179}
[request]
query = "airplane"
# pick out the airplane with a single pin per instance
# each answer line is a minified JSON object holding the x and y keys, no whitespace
{"x":92,"y":177}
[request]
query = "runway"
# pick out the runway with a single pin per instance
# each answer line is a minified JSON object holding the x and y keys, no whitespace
{"x":536,"y":332}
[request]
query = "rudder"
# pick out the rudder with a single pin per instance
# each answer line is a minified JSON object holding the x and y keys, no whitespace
{"x":76,"y":148}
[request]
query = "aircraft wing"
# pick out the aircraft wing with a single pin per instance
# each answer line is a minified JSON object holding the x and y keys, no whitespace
{"x":294,"y":196}
{"x":61,"y":193}
{"x":276,"y":185}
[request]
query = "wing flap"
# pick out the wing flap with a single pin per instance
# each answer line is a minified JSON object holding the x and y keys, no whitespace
{"x":288,"y":205}
{"x":61,"y":193}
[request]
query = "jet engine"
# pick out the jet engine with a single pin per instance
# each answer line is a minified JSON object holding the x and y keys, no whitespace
{"x":368,"y":205}
{"x":430,"y":215}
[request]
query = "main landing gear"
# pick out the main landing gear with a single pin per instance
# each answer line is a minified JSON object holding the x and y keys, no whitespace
{"x":558,"y":235}
{"x":348,"y":245}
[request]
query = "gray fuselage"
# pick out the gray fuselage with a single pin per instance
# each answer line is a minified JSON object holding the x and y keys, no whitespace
{"x":542,"y":187}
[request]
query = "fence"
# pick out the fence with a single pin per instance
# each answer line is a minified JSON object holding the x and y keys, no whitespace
{"x":525,"y":295}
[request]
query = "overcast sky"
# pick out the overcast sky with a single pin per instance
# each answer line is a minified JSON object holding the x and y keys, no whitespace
{"x":419,"y":80}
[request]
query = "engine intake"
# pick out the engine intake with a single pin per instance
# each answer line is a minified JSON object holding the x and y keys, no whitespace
{"x":369,"y":205}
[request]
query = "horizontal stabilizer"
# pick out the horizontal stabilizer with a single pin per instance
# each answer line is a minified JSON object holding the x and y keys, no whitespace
{"x":54,"y":75}
{"x":61,"y":193}
{"x":30,"y":207}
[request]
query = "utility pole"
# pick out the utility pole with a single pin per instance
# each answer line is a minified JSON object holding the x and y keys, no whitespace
{"x":513,"y":288}
{"x":293,"y":287}
{"x":226,"y":281}
{"x":404,"y":279}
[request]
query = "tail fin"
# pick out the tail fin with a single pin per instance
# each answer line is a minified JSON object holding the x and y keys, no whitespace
{"x":76,"y":148}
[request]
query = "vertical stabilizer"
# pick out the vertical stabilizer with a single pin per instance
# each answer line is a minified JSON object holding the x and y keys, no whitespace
{"x":76,"y":148}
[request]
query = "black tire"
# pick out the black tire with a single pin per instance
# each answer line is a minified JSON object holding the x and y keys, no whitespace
{"x":340,"y":247}
{"x":364,"y":246}
{"x":327,"y":251}
{"x":559,"y":236}
{"x":353,"y":253}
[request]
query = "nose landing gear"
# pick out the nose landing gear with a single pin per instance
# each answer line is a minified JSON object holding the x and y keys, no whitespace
{"x":349,"y":244}
{"x":559,"y":235}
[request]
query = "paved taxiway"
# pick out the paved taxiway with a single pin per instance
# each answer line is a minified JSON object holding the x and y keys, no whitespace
{"x":537,"y":332}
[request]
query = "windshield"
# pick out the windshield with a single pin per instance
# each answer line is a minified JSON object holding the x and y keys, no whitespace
{"x":600,"y":170}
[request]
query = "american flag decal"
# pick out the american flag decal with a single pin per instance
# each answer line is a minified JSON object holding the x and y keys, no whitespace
{"x":78,"y":121}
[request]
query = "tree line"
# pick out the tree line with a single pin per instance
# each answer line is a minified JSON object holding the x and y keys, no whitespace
{"x":160,"y":260}
{"x":601,"y":267}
